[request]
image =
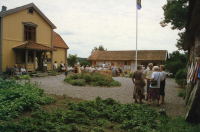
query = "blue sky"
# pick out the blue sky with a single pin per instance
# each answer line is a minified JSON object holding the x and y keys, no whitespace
{"x":85,"y":24}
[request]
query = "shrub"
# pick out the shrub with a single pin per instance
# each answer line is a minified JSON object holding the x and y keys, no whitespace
{"x":85,"y":63}
{"x":16,"y":98}
{"x":180,"y":76}
{"x":88,"y":78}
{"x":97,"y":79}
{"x":181,"y":93}
{"x":131,"y":74}
{"x":114,"y":83}
{"x":58,"y":68}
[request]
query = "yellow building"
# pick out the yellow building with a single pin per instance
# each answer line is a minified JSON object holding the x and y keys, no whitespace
{"x":26,"y":38}
{"x":61,"y":49}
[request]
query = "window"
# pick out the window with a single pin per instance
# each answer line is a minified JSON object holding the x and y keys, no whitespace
{"x":29,"y":33}
{"x":154,"y":64}
{"x":30,"y":11}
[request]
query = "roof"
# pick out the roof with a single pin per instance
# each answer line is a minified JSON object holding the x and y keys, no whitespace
{"x":35,"y":46}
{"x":192,"y":23}
{"x":11,"y":11}
{"x":58,"y":41}
{"x":161,"y":55}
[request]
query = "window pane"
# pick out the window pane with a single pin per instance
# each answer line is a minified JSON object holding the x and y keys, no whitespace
{"x":25,"y":27}
{"x":33,"y":29}
{"x":29,"y":35}
{"x":30,"y":11}
{"x":29,"y":28}
{"x":25,"y":36}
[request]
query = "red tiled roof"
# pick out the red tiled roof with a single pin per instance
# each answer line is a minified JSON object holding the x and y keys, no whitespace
{"x":130,"y":55}
{"x":33,"y":45}
{"x":58,"y":41}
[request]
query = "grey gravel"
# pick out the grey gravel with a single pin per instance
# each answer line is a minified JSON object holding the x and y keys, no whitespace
{"x":174,"y":105}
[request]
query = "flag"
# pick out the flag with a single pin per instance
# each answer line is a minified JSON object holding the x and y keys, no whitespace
{"x":139,"y":6}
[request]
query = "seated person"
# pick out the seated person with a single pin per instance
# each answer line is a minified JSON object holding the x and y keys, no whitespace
{"x":23,"y":70}
{"x":16,"y":70}
{"x":83,"y":67}
{"x":113,"y":71}
{"x":87,"y":68}
{"x":116,"y":71}
{"x":120,"y":70}
{"x":100,"y":68}
{"x":92,"y":69}
{"x":109,"y":67}
{"x":62,"y":66}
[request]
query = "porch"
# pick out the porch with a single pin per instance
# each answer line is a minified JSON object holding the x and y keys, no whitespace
{"x":32,"y":55}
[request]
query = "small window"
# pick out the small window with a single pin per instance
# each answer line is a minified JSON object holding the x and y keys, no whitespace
{"x":30,"y":11}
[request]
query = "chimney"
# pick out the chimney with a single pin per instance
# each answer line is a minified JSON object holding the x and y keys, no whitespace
{"x":4,"y":8}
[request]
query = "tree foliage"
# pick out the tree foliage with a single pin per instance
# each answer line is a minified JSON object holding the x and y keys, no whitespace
{"x":180,"y":40}
{"x":175,"y":13}
{"x":85,"y":63}
{"x":71,"y":60}
{"x":176,"y":62}
{"x":100,"y":48}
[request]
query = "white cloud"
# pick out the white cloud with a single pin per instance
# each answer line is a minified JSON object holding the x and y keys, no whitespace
{"x":111,"y":23}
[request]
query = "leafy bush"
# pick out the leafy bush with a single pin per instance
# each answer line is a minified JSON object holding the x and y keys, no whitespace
{"x":58,"y":68}
{"x":97,"y":79}
{"x":180,"y":76}
{"x":131,"y":74}
{"x":88,"y":78}
{"x":15,"y":98}
{"x":176,"y":61}
{"x":181,"y":93}
{"x":102,"y":115}
{"x":85,"y":62}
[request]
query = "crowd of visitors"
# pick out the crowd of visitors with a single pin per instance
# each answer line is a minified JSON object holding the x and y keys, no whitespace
{"x":155,"y":78}
{"x":78,"y":68}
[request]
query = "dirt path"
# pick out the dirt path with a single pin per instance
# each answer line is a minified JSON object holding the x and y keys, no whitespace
{"x":174,"y":105}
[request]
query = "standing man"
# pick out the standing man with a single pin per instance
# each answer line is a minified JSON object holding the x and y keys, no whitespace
{"x":109,"y":68}
{"x":45,"y":65}
{"x":78,"y":64}
{"x":66,"y":68}
{"x":147,"y":75}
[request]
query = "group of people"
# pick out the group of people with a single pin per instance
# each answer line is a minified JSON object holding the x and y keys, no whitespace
{"x":19,"y":71}
{"x":155,"y":77}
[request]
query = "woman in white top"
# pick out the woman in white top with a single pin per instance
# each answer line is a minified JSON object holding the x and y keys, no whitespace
{"x":162,"y":83}
{"x":55,"y":65}
{"x":154,"y":90}
{"x":23,"y":70}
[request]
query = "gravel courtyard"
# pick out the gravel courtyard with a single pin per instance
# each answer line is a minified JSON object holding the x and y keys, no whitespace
{"x":174,"y":105}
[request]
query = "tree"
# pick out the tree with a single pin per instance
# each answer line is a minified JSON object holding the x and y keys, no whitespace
{"x":180,"y":40}
{"x":101,"y":48}
{"x":175,"y":13}
{"x":176,"y":62}
{"x":71,"y":60}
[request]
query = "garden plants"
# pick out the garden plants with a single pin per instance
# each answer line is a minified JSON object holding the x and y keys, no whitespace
{"x":95,"y":79}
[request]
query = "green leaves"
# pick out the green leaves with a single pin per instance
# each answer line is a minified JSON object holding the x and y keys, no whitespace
{"x":16,"y":98}
{"x":97,"y":79}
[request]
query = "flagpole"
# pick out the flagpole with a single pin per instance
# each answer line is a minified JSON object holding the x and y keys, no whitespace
{"x":136,"y":36}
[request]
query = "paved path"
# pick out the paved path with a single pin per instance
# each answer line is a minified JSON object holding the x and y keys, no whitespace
{"x":174,"y":105}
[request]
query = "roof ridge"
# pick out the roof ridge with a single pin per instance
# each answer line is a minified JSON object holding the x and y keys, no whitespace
{"x":11,"y":11}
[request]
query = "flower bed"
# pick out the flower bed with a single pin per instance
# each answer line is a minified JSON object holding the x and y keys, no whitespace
{"x":95,"y":79}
